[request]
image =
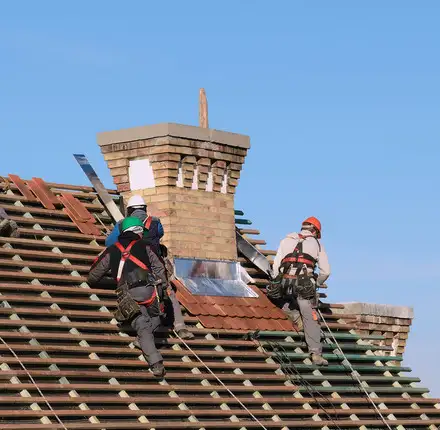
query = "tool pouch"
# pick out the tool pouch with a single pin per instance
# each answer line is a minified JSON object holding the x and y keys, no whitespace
{"x":275,"y":290}
{"x":305,"y":288}
{"x":127,"y":308}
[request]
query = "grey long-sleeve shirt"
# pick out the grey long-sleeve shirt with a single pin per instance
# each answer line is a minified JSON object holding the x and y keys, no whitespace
{"x":310,"y":246}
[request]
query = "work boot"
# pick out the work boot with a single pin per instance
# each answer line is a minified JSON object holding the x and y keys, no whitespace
{"x":158,"y":369}
{"x":319,"y":360}
{"x":185,"y":334}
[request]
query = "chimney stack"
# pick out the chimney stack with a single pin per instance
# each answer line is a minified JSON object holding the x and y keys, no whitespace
{"x":186,"y":174}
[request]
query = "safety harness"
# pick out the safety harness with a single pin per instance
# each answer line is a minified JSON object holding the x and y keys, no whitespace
{"x":147,"y":222}
{"x":299,"y":285}
{"x":126,"y":255}
{"x":297,"y":258}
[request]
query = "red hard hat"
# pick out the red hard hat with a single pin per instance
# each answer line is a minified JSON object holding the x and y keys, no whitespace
{"x":315,"y":222}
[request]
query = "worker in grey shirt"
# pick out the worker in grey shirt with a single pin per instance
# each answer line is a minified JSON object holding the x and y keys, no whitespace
{"x":297,"y":257}
{"x":8,"y":227}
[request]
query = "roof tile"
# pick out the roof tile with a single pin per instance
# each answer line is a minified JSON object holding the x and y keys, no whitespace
{"x":187,"y":380}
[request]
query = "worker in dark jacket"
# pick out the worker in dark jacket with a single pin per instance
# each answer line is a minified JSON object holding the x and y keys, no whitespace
{"x":153,"y":232}
{"x":8,"y":227}
{"x":141,"y":281}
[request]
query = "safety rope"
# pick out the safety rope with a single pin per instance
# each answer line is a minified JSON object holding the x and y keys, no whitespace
{"x":221,"y":382}
{"x":354,"y":373}
{"x":34,"y":383}
{"x":286,"y":364}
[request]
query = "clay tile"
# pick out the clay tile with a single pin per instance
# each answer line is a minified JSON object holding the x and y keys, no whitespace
{"x":184,"y":292}
{"x":228,"y":322}
{"x":233,"y":311}
{"x":259,"y":312}
{"x":209,"y":321}
{"x":249,"y":311}
{"x":256,"y":324}
{"x":286,"y":325}
{"x":242,"y":311}
{"x":194,"y":309}
{"x":241,"y":323}
{"x":221,"y":301}
{"x":276,"y":313}
{"x":269,"y":324}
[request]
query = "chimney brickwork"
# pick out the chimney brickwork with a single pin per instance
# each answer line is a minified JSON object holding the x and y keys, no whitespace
{"x":188,"y":176}
{"x":392,"y":322}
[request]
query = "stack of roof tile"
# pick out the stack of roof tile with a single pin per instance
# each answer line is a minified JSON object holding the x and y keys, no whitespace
{"x":64,"y":333}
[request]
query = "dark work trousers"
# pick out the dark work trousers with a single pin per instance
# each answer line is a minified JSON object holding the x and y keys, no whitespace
{"x":312,"y":329}
{"x":178,"y":322}
{"x":145,"y":325}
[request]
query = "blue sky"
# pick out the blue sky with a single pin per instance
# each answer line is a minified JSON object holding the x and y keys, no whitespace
{"x":341,"y":100}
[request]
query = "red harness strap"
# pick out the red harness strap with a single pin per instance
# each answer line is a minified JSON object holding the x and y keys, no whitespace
{"x":148,"y":222}
{"x":125,"y":255}
{"x":299,"y":260}
{"x":150,"y":300}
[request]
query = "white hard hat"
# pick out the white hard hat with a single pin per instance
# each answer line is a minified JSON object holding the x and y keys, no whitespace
{"x":135,"y":201}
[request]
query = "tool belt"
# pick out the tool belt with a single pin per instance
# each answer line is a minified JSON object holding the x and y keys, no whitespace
{"x":292,"y":287}
{"x":127,"y":307}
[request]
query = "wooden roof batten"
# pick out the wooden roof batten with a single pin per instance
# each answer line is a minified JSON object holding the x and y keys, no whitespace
{"x":60,"y":334}
{"x":64,"y":334}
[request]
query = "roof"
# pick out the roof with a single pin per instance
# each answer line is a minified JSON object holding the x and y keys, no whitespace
{"x":64,"y":333}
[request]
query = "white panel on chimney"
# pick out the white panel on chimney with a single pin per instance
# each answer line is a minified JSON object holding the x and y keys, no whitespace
{"x":195,"y":184}
{"x":179,"y":182}
{"x":209,"y":182}
{"x":224,"y":188}
{"x":140,"y":175}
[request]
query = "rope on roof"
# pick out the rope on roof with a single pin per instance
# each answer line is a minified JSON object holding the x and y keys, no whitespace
{"x":34,"y":383}
{"x":353,"y":373}
{"x":222,"y":383}
{"x":285,"y":364}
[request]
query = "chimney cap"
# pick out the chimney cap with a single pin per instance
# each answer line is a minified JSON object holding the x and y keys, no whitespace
{"x":175,"y":130}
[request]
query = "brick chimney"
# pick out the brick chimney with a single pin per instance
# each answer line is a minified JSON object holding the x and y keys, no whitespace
{"x":188,"y":176}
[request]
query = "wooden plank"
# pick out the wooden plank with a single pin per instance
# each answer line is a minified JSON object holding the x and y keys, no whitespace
{"x":66,"y":290}
{"x":41,"y":265}
{"x":42,"y":276}
{"x":161,"y":399}
{"x":83,"y":188}
{"x":50,"y":222}
{"x":180,"y":376}
{"x":135,"y":352}
{"x":197,"y":388}
{"x":30,"y":243}
{"x":34,"y":210}
{"x":59,"y":300}
{"x":134,"y":362}
{"x":59,"y":234}
{"x":57,"y":312}
{"x":226,"y":424}
{"x":49,"y":255}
